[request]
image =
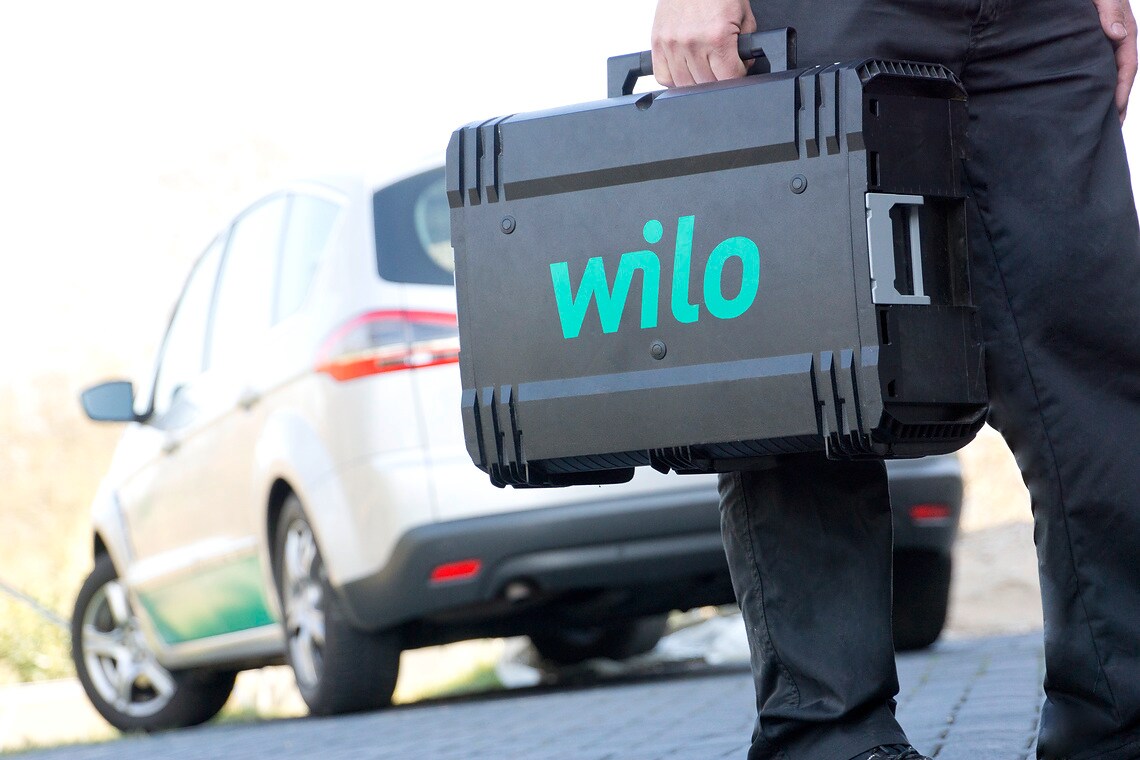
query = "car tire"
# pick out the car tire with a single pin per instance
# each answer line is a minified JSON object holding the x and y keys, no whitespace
{"x":620,"y":641}
{"x":339,"y":668}
{"x":921,"y":597}
{"x":119,"y":671}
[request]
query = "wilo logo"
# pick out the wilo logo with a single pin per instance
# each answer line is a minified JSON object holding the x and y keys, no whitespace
{"x":595,"y":286}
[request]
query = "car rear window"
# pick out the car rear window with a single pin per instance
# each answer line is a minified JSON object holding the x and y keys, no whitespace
{"x":413,"y":230}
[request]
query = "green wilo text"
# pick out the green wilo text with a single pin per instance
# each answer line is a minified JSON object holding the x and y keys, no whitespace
{"x":595,"y":285}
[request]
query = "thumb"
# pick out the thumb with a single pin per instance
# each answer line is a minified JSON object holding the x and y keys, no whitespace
{"x":1112,"y":19}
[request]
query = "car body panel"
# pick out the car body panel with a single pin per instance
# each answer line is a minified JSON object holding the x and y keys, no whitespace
{"x":621,"y":541}
{"x":224,"y":598}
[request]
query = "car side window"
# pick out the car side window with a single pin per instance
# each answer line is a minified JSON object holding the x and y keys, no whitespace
{"x":243,"y":309}
{"x":184,"y":347}
{"x":307,"y":232}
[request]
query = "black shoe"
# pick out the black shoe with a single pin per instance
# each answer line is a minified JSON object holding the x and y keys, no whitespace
{"x":892,"y":752}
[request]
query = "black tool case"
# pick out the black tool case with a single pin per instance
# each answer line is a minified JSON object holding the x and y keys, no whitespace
{"x":704,"y":277}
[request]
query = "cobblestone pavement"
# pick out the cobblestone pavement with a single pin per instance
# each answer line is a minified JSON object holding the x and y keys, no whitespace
{"x":976,"y":698}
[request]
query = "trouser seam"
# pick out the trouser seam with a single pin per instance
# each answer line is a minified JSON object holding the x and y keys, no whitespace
{"x":1054,"y":470}
{"x":752,"y":567}
{"x":981,"y":20}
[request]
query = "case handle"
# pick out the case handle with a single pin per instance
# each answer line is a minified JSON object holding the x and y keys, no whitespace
{"x":776,"y":48}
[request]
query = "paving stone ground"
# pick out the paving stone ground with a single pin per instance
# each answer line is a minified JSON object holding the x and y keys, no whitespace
{"x":977,"y":698}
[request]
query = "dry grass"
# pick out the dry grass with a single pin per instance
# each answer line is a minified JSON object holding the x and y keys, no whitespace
{"x":51,"y":460}
{"x":995,"y":493}
{"x":995,"y":588}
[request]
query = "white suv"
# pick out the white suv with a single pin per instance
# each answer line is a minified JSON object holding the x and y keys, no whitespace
{"x":294,"y":485}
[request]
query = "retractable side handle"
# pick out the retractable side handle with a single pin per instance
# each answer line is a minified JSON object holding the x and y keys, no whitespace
{"x":770,"y":51}
{"x":886,"y":258}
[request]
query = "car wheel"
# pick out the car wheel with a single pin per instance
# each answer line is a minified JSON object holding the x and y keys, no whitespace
{"x":120,"y":673}
{"x":339,"y":668}
{"x":620,"y":641}
{"x":921,"y":596}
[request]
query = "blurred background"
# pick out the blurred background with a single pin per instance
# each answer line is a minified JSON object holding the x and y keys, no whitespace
{"x":131,"y":131}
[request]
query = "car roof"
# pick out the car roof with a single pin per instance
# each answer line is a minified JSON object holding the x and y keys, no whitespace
{"x":372,"y":180}
{"x":348,"y":184}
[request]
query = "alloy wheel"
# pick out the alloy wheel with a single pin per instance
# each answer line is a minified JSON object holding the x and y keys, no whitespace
{"x":121,"y":666}
{"x":303,"y":596}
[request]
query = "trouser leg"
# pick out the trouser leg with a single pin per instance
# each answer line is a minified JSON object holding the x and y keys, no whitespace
{"x":809,"y":541}
{"x":1057,"y":279}
{"x":1056,"y":271}
{"x":809,"y":549}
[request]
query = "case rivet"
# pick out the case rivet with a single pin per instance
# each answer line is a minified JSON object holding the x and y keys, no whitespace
{"x":799,"y":183}
{"x":507,"y":225}
{"x":657,"y":349}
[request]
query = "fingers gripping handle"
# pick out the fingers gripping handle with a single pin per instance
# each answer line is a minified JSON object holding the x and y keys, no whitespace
{"x":777,"y":47}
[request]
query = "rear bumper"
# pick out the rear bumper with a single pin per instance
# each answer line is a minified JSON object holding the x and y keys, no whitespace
{"x":932,"y":481}
{"x":644,"y":540}
{"x":664,"y":540}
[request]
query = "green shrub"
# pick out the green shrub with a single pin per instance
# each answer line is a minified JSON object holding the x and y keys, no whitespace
{"x":32,"y":647}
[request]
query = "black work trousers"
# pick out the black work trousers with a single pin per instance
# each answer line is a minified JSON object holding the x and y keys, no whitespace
{"x":1056,"y":277}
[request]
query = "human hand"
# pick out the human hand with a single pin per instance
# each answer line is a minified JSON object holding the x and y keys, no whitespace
{"x":694,"y":41}
{"x":1120,"y":27}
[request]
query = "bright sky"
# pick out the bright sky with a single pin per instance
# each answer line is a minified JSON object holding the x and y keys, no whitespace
{"x":131,"y":131}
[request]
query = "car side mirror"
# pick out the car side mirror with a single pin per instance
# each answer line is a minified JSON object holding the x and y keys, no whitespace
{"x":110,"y":402}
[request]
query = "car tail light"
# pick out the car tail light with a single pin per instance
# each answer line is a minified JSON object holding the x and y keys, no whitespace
{"x":929,"y":513}
{"x":387,"y":341}
{"x":456,"y":571}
